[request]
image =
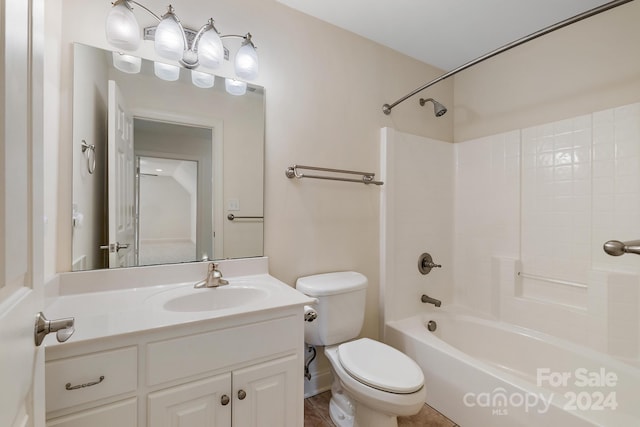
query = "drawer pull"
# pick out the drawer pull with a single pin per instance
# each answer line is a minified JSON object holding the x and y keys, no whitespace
{"x":242,"y":394}
{"x":224,"y":400}
{"x":68,"y":386}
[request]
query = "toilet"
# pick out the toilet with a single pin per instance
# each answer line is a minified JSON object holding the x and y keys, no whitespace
{"x":373,"y":383}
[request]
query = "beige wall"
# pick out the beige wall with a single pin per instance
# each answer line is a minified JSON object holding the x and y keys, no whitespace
{"x":589,"y":66}
{"x":324,"y":91}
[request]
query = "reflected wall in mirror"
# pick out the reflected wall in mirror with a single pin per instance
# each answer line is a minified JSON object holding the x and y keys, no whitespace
{"x":158,"y":166}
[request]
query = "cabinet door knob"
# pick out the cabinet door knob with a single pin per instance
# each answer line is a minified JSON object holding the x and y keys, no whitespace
{"x":242,"y":394}
{"x":224,"y":400}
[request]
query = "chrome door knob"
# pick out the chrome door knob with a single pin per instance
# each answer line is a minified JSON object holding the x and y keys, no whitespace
{"x":63,"y":328}
{"x":115,"y":247}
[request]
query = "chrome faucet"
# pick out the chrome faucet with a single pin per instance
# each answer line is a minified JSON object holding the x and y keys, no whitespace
{"x":617,"y":248}
{"x":428,"y":299}
{"x":214,"y":278}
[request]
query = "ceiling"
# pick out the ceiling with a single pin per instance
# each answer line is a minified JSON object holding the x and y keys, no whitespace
{"x":446,"y":33}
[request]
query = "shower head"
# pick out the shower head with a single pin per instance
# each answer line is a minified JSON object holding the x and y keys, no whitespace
{"x":438,"y":109}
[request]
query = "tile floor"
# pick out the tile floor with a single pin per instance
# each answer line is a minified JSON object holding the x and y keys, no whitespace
{"x":316,"y":414}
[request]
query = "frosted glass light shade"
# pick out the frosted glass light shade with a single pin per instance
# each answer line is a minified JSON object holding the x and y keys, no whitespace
{"x":166,"y":72}
{"x":210,"y":49}
{"x":235,"y":87}
{"x":246,"y":62}
{"x":169,"y":38}
{"x":202,"y":80}
{"x":122,"y":28}
{"x":127,"y":63}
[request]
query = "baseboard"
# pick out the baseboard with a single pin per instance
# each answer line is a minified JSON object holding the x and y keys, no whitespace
{"x":319,"y":382}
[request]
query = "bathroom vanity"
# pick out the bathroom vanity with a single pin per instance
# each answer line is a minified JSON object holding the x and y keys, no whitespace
{"x":172,"y":355}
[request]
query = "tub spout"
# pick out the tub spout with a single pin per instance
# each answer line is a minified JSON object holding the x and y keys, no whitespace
{"x":428,"y":299}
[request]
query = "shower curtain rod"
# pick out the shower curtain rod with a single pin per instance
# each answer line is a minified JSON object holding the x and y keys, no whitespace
{"x":386,"y":108}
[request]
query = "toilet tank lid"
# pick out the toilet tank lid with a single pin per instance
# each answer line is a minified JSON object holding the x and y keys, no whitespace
{"x":325,"y":284}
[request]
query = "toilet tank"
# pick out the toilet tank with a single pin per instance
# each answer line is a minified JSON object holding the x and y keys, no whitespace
{"x":341,"y":303}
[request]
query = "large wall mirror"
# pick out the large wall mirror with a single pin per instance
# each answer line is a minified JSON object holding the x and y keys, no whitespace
{"x":163,"y":171}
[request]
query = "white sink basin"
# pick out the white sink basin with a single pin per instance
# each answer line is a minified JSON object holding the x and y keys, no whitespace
{"x":210,"y":299}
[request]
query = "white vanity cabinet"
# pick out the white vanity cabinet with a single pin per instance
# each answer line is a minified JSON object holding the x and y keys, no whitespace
{"x":239,"y":372}
{"x":198,"y":403}
{"x":263,"y":392}
{"x":258,"y":395}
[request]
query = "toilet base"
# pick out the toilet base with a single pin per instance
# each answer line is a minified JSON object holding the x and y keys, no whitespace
{"x":345,"y":412}
{"x":339,"y":417}
{"x":364,"y":417}
{"x":341,"y":407}
{"x":367,"y":417}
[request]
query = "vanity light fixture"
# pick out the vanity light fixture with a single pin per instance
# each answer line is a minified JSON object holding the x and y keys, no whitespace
{"x":173,"y":41}
{"x":127,"y":63}
{"x":235,"y":87}
{"x":202,"y":80}
{"x":167,"y":72}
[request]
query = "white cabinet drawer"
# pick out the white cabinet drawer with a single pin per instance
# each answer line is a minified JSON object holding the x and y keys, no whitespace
{"x":200,"y":353}
{"x":120,"y":414}
{"x":118,"y":367}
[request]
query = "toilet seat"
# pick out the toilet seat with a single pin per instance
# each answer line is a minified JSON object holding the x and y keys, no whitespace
{"x":380,"y":366}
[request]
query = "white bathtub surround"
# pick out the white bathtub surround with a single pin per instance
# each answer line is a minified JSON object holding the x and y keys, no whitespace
{"x":486,"y":215}
{"x":522,"y":378}
{"x":579,"y":185}
{"x":614,"y":314}
{"x":546,"y":197}
{"x":416,"y":216}
{"x":530,"y":212}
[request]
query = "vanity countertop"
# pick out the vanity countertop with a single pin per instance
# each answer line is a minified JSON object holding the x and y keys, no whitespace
{"x":127,"y":310}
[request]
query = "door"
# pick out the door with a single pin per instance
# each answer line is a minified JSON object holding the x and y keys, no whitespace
{"x":21,"y":212}
{"x":120,"y":181}
{"x":267,"y":394}
{"x":169,"y":210}
{"x":195,"y":404}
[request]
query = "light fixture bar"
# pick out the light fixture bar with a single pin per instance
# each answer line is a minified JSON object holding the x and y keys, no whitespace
{"x":172,"y":41}
{"x":386,"y":108}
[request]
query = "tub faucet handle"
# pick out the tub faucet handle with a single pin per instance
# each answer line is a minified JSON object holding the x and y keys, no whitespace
{"x":425,"y":263}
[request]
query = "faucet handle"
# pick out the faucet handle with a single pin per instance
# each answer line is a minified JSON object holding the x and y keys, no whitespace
{"x":425,"y":263}
{"x":213,"y":270}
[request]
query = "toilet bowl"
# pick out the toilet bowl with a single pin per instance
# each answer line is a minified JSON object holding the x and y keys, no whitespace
{"x":373,"y":383}
{"x":371,"y":389}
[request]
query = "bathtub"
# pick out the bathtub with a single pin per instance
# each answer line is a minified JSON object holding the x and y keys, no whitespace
{"x":484,"y":373}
